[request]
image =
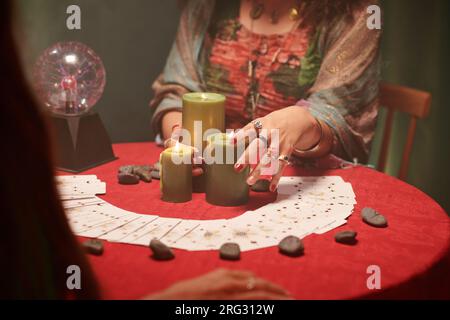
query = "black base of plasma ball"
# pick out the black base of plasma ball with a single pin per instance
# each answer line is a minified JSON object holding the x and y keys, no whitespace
{"x":81,"y":142}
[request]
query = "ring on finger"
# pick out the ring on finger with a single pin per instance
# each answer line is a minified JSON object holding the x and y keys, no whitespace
{"x":284,"y":158}
{"x":257,"y":124}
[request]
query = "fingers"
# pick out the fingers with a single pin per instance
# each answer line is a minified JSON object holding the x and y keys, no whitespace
{"x":239,"y":274}
{"x":284,"y":151}
{"x":260,"y":295}
{"x":264,"y":285}
{"x":251,"y":155}
{"x":248,"y":132}
{"x":236,"y":281}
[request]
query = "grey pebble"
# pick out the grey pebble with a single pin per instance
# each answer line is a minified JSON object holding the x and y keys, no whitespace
{"x":373,"y":218}
{"x":160,"y":251}
{"x":93,"y":246}
{"x":346,"y":237}
{"x":126,"y":169}
{"x":261,"y":186}
{"x":155,"y":175}
{"x":143,"y":174}
{"x":230,"y":251}
{"x":127,"y":178}
{"x":291,"y":246}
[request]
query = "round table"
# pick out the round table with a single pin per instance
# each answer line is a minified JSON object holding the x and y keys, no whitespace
{"x":412,"y":253}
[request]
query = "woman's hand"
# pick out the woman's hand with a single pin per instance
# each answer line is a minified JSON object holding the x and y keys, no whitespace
{"x":281,"y":132}
{"x":223,"y":284}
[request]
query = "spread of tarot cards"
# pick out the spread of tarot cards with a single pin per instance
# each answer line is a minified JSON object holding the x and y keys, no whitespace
{"x":304,"y":205}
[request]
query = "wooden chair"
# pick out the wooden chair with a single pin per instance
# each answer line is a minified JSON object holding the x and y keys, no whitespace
{"x":411,"y":101}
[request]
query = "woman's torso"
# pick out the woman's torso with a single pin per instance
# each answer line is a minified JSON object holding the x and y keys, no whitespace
{"x":278,"y":62}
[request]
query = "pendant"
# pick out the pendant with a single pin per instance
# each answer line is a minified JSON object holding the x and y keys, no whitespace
{"x":254,"y":101}
{"x":294,"y":14}
{"x":257,"y":11}
{"x":251,"y":68}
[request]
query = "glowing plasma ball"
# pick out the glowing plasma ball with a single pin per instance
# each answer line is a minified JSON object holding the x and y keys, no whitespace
{"x":69,"y":78}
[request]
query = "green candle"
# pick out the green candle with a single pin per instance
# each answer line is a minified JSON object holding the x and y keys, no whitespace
{"x":224,"y":186}
{"x":202,"y":111}
{"x":176,"y":174}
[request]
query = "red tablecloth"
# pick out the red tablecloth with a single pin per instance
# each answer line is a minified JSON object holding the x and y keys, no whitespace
{"x":413,"y":252}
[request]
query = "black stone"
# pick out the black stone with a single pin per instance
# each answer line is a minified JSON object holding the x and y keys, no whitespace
{"x":144,"y":173}
{"x":127,"y":178}
{"x":373,"y":218}
{"x":93,"y":246}
{"x":291,"y":246}
{"x":346,"y":237}
{"x":155,"y":175}
{"x":160,"y":251}
{"x":261,"y":186}
{"x":230,"y":251}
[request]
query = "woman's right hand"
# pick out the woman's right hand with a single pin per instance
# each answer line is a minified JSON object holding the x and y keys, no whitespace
{"x":223,"y":284}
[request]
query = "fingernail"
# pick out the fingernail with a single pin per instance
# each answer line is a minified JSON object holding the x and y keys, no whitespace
{"x":238,"y":167}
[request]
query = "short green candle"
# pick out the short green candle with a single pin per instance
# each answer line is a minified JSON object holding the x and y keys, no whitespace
{"x":225,"y":186}
{"x":202,"y":111}
{"x":176,"y":174}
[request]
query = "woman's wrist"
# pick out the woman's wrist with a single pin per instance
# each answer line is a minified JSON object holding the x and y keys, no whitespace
{"x":323,"y":145}
{"x":311,"y":131}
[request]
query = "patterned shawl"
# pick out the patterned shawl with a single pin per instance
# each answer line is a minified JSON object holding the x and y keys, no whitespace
{"x":340,"y":70}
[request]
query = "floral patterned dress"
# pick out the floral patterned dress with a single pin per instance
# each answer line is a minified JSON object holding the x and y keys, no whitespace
{"x":276,"y":61}
{"x":334,"y":70}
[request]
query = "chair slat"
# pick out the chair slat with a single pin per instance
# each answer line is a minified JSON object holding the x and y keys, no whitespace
{"x":413,"y":102}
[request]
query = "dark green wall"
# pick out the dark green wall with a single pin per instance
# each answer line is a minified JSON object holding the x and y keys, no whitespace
{"x":416,"y":53}
{"x":133,"y":38}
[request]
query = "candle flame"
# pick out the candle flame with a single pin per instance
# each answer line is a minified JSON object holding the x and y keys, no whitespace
{"x":177,"y":146}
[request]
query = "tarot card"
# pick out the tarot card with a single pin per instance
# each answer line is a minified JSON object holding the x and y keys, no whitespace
{"x":103,"y":228}
{"x":116,"y":235}
{"x":209,"y":235}
{"x":154,"y":230}
{"x":180,"y":231}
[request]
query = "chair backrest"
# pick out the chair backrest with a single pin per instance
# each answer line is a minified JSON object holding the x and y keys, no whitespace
{"x":414,"y":102}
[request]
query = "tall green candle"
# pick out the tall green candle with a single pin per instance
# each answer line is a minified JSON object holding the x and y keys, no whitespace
{"x":176,"y":174}
{"x":202,"y":111}
{"x":225,"y":186}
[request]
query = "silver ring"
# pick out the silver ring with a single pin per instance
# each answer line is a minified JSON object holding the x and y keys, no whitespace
{"x":257,"y":124}
{"x":251,"y":284}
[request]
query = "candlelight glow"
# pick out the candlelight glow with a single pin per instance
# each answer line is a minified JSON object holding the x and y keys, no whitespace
{"x":177,"y":146}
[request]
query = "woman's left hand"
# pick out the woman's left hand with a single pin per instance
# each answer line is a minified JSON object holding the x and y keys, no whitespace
{"x":280,"y":133}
